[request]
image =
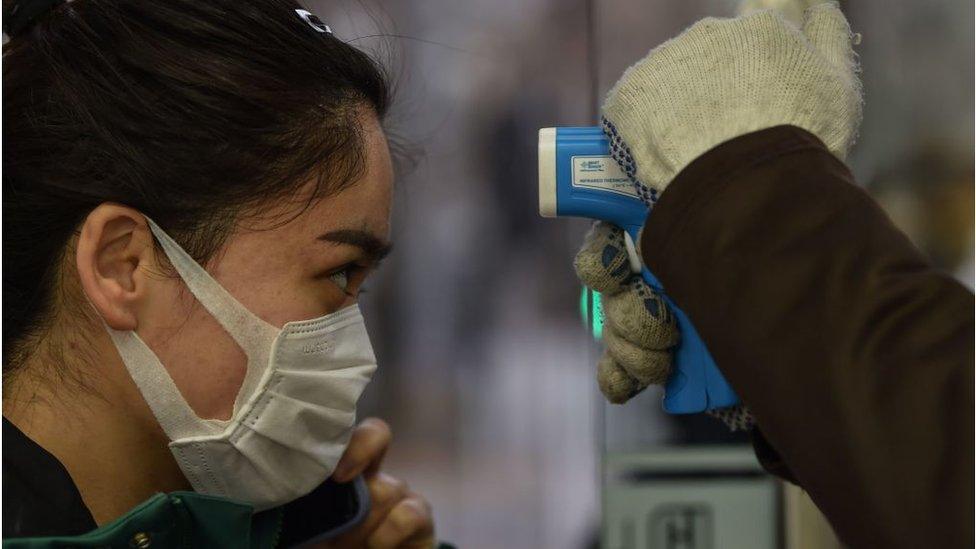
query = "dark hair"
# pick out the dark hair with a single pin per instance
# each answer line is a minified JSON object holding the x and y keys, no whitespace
{"x":189,"y":111}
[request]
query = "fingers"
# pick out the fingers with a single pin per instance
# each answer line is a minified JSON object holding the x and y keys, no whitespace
{"x":385,"y":490}
{"x":621,"y":380}
{"x":641,"y":316}
{"x":398,"y":518}
{"x":640,"y":328}
{"x":827,"y":29}
{"x":408,"y":525}
{"x":367,"y":446}
{"x":615,"y":383}
{"x":645,"y":366}
{"x":385,"y":493}
{"x":602,"y":263}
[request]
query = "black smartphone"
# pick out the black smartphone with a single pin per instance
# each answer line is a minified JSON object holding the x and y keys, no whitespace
{"x":327,"y":512}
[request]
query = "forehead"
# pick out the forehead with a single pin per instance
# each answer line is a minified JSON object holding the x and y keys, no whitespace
{"x":362,"y":204}
{"x":365,"y":203}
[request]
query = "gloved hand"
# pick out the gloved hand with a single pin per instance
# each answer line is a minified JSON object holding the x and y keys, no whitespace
{"x":723,"y":78}
{"x":639,"y":330}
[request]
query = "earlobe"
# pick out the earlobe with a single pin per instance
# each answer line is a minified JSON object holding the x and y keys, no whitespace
{"x":113,"y":245}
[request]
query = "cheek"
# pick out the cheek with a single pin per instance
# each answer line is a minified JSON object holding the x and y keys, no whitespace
{"x":204,"y":361}
{"x":301,"y":302}
{"x":286,"y":294}
{"x":281,"y":288}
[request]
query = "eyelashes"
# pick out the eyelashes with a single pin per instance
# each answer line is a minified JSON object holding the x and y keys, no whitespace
{"x":344,"y":275}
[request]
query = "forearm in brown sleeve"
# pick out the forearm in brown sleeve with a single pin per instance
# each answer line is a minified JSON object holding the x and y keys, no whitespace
{"x":854,"y":354}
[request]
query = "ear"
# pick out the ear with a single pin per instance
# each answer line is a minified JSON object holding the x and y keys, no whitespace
{"x":115,"y":247}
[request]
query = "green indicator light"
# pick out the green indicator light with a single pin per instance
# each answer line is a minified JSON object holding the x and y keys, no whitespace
{"x":597,"y":316}
{"x":591,"y":310}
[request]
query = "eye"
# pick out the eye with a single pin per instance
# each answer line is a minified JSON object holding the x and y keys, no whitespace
{"x":340,"y":278}
{"x":348,"y":277}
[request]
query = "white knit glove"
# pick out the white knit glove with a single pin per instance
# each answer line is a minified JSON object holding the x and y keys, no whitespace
{"x":639,"y":330}
{"x":723,"y":78}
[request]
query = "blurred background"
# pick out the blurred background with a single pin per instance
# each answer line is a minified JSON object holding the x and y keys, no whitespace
{"x":486,"y":368}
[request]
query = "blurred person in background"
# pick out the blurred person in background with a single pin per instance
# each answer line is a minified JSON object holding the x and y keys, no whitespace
{"x":852,"y":354}
{"x":194,"y":194}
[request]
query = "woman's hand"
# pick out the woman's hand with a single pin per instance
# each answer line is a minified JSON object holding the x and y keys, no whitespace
{"x":398,"y":518}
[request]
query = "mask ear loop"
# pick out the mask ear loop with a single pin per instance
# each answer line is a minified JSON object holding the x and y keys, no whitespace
{"x":254,"y":336}
{"x":172,"y":412}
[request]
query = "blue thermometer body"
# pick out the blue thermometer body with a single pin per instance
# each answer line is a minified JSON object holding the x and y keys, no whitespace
{"x":578,"y":178}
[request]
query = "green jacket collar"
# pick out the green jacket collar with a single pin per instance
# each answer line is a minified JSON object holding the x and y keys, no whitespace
{"x":178,"y":519}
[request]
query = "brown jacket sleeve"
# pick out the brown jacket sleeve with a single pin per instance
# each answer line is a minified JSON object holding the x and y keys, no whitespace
{"x":853,"y":352}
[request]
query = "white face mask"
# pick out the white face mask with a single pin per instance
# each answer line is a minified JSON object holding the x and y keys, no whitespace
{"x":296,"y":407}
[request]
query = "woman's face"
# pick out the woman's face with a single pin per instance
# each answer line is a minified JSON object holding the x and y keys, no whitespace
{"x":281,"y":274}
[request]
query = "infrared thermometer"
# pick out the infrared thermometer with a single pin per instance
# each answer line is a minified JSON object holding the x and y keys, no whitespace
{"x":578,"y":178}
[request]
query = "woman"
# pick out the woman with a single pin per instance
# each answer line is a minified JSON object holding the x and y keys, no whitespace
{"x":185,"y":184}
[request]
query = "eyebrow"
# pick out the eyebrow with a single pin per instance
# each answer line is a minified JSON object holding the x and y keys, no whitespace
{"x":372,"y":246}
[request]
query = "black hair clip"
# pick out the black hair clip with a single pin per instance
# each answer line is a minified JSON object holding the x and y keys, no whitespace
{"x":19,"y":15}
